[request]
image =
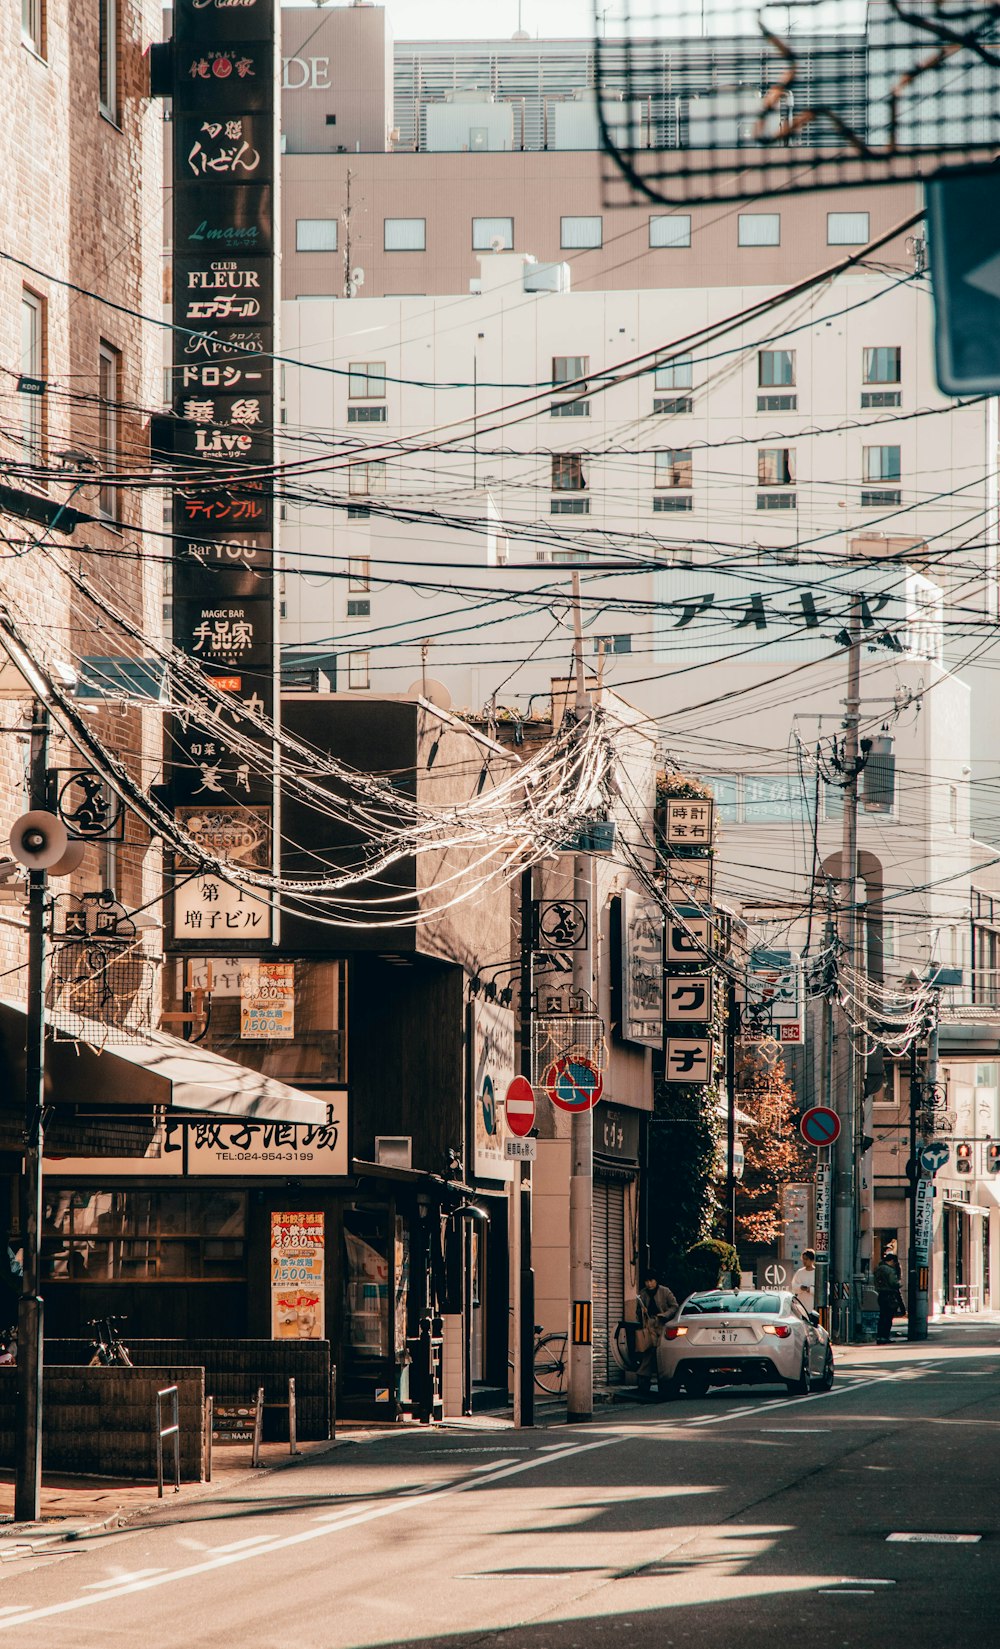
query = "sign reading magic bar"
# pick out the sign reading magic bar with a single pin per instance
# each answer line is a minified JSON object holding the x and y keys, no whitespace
{"x":224,"y":125}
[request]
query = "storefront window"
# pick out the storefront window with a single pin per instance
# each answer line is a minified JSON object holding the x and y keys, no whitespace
{"x":285,"y":1019}
{"x":366,"y":1283}
{"x":144,"y":1236}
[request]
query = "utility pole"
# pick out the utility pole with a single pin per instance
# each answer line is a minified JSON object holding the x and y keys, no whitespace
{"x":524,"y":1311}
{"x":732,"y":1031}
{"x":28,"y":1400}
{"x":846,"y":1096}
{"x":581,"y":1185}
{"x":921,"y":1191}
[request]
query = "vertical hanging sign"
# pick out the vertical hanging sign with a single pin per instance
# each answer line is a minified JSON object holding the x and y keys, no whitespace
{"x":224,"y":123}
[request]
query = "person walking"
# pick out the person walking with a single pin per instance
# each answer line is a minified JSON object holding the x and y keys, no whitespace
{"x":804,"y":1280}
{"x":886,"y":1281}
{"x":656,"y":1305}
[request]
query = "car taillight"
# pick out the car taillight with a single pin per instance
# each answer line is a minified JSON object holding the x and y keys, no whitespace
{"x":674,"y":1332}
{"x":782,"y":1330}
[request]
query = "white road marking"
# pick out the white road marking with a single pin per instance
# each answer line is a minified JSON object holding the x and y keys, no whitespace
{"x":936,"y":1539}
{"x":350,"y":1519}
{"x":116,"y":1580}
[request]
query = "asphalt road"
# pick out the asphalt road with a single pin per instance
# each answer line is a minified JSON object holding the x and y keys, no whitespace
{"x":747,"y":1519}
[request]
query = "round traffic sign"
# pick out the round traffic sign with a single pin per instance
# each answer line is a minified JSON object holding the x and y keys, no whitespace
{"x":519,"y":1104}
{"x":820,"y":1126}
{"x":574,"y":1083}
{"x":935,"y":1155}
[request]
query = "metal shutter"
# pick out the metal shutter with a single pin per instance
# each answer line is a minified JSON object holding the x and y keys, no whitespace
{"x":609,"y":1276}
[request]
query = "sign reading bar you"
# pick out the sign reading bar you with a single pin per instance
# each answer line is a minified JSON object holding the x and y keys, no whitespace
{"x":224,"y":91}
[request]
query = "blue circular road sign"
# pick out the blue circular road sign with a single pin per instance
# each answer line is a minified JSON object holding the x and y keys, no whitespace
{"x":935,"y":1155}
{"x":820,"y":1126}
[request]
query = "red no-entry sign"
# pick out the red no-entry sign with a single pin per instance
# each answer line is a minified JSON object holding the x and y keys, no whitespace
{"x":519,"y":1105}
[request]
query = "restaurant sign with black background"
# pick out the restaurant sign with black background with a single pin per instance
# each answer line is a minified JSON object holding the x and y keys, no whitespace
{"x":221,"y":436}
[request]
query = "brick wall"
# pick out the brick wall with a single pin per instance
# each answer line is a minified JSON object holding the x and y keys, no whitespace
{"x":102,"y":1421}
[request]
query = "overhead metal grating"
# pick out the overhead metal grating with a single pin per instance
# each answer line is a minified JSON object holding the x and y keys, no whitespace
{"x":704,"y":100}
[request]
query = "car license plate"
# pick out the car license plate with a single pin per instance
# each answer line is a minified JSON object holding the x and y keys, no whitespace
{"x":727,"y":1336}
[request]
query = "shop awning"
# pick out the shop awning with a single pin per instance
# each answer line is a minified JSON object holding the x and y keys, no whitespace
{"x":155,"y":1070}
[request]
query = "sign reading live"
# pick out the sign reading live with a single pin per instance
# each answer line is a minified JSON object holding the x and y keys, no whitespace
{"x":297,"y":1276}
{"x":221,"y":447}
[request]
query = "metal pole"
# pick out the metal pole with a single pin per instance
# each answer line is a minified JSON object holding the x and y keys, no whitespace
{"x":581,"y":1185}
{"x":846,"y":1098}
{"x":28,"y":1406}
{"x":468,"y":1308}
{"x":732,"y":1026}
{"x":524,"y":1311}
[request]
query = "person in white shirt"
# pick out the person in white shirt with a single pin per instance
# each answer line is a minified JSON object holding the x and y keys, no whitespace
{"x":804,"y":1280}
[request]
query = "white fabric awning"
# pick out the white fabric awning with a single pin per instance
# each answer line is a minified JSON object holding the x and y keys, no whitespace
{"x":156,"y":1069}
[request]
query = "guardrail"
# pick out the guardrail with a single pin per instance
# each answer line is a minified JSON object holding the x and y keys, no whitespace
{"x":172,"y":1431}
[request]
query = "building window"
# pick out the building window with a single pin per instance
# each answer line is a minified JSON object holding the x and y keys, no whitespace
{"x":366,"y":380}
{"x":184,"y":1237}
{"x":882,"y":364}
{"x":613,"y":644}
{"x":405,"y":234}
{"x":315,"y":234}
{"x":847,"y":229}
{"x":359,"y":607}
{"x":570,"y":370}
{"x":33,"y":25}
{"x":366,"y":478}
{"x":671,"y":230}
{"x":577,"y":233}
{"x":32,"y":403}
{"x":569,"y":506}
{"x":109,"y":397}
{"x":359,"y":572}
{"x":674,"y":468}
{"x":357,"y":670}
{"x":570,"y":409}
{"x":775,"y":466}
{"x":486,"y":231}
{"x":759,"y":229}
{"x":674,"y":374}
{"x":107,"y":31}
{"x":775,"y":368}
{"x":567,"y":472}
{"x":367,"y":415}
{"x":880,"y":464}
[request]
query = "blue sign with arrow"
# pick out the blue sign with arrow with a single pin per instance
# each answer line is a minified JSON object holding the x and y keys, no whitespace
{"x":935,"y":1155}
{"x":963,"y":224}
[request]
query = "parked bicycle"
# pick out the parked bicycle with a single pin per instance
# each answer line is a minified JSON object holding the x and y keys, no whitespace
{"x":8,"y":1346}
{"x":550,"y":1365}
{"x":106,"y":1345}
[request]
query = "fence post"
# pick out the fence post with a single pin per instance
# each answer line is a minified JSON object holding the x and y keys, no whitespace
{"x":173,"y":1431}
{"x":209,"y":1427}
{"x":293,"y":1442}
{"x":333,"y":1399}
{"x":258,"y":1426}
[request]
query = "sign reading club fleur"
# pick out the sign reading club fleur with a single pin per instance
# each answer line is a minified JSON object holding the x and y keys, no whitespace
{"x":221,"y":445}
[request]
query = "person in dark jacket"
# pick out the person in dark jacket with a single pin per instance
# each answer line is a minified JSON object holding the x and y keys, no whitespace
{"x":886,"y":1281}
{"x":655,"y":1307}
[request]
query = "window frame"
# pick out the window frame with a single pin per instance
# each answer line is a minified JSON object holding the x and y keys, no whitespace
{"x":33,"y":407}
{"x":580,"y":245}
{"x":359,"y":666}
{"x":764,"y":382}
{"x":568,"y":474}
{"x":669,"y":245}
{"x":757,"y":217}
{"x":868,"y":359}
{"x":300,"y":223}
{"x":665,"y":373}
{"x":478,"y":247}
{"x":788,"y":465}
{"x":563,"y":378}
{"x":33,"y":21}
{"x":107,"y":60}
{"x":364,"y":470}
{"x":359,"y":573}
{"x":423,"y":235}
{"x":361,"y":371}
{"x":109,"y":378}
{"x":848,"y":240}
{"x":870,"y":480}
{"x":676,"y":462}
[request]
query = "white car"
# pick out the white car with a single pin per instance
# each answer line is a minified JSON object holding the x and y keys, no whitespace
{"x":744,"y":1337}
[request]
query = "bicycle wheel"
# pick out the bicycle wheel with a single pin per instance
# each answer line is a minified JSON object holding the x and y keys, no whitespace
{"x":550,"y":1364}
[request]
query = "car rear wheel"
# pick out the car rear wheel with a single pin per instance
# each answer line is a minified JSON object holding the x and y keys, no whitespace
{"x":826,"y":1378}
{"x":803,"y":1385}
{"x":696,"y":1385}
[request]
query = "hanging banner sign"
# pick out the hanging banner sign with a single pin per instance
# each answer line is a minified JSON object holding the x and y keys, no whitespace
{"x":821,"y":1241}
{"x":267,"y":1003}
{"x":298,"y":1249}
{"x":923,"y":1191}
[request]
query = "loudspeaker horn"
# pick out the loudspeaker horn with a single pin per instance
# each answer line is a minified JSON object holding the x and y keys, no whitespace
{"x":71,"y":860}
{"x":39,"y":840}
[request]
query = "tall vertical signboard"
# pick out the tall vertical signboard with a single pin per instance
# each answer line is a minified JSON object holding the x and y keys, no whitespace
{"x":224,"y":58}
